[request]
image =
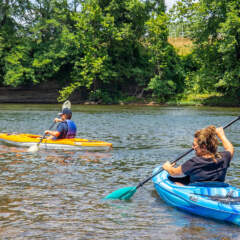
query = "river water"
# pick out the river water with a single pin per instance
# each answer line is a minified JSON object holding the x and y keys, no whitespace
{"x":58,"y":194}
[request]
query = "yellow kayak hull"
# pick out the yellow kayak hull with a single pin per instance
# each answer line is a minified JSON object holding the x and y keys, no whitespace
{"x":28,"y":140}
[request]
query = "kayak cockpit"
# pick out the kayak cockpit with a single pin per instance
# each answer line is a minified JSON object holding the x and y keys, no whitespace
{"x":213,"y":200}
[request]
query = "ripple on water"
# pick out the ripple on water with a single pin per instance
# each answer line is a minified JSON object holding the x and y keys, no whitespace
{"x":58,"y":194}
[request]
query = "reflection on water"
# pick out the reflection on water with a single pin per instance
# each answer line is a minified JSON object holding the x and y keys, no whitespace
{"x":58,"y":194}
{"x":68,"y":157}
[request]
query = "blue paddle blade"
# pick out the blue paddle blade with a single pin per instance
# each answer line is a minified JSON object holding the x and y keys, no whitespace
{"x":122,"y":193}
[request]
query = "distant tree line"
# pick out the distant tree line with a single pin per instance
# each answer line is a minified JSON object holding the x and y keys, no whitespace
{"x":112,"y":49}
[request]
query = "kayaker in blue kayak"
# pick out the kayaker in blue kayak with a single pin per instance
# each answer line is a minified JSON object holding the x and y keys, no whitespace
{"x":208,"y":164}
{"x":66,"y":127}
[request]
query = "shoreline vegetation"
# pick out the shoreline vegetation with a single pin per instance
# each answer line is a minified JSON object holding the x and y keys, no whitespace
{"x":120,"y":52}
{"x":46,"y":93}
{"x":213,"y":99}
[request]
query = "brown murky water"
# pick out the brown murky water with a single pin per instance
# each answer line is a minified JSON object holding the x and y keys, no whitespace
{"x":58,"y":194}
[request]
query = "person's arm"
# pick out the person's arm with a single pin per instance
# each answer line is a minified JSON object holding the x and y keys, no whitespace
{"x":53,"y":133}
{"x":56,"y":133}
{"x":226,"y":143}
{"x":57,"y":120}
{"x":173,"y":171}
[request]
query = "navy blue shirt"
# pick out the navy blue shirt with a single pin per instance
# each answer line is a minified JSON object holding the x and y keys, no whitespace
{"x":201,"y":169}
{"x":62,"y":127}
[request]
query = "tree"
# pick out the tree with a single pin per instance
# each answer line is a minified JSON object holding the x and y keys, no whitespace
{"x":168,"y":78}
{"x":109,"y":48}
{"x":214,"y":27}
{"x":113,"y":57}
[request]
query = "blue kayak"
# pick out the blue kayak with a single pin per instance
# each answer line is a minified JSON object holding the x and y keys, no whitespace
{"x":219,"y":201}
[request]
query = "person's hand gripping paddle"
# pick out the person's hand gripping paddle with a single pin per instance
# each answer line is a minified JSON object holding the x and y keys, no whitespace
{"x":127,"y":192}
{"x":35,"y":147}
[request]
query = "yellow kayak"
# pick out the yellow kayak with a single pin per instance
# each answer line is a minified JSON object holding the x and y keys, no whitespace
{"x":28,"y":140}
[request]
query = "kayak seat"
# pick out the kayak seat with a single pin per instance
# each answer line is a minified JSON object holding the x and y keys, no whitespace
{"x":207,"y":184}
{"x":184,"y":180}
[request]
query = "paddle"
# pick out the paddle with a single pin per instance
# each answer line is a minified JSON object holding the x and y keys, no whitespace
{"x":35,"y":147}
{"x":127,"y":192}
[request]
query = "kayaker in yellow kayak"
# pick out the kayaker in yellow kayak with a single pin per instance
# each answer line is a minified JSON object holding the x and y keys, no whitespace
{"x":66,"y":127}
{"x":208,"y":164}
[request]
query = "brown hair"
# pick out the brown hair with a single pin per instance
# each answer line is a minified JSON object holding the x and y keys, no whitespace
{"x":207,"y":138}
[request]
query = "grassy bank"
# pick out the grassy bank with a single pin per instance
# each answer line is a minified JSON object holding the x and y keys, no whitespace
{"x":210,"y":99}
{"x":183,"y":46}
{"x":207,"y":99}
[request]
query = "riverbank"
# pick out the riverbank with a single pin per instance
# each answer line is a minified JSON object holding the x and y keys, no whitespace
{"x":44,"y":93}
{"x":213,"y":99}
{"x":49,"y":93}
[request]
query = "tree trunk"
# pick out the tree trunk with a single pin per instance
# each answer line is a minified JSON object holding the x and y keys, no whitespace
{"x":4,"y":11}
{"x":237,"y":46}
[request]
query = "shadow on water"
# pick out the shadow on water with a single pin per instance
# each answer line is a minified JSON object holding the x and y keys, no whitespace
{"x":58,"y":194}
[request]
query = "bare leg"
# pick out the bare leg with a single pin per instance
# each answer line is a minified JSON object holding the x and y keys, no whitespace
{"x":50,"y":138}
{"x":179,"y":184}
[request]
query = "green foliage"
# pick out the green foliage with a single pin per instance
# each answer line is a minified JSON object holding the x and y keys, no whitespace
{"x":120,"y":48}
{"x":91,"y":63}
{"x":101,"y":97}
{"x":168,"y":78}
{"x":110,"y":52}
{"x":130,"y":99}
{"x":1,"y":58}
{"x":162,"y":89}
{"x":215,"y":29}
{"x":109,"y":48}
{"x":36,"y":51}
{"x":18,"y":66}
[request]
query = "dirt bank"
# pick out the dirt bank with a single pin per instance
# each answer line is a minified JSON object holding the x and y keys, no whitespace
{"x":44,"y":93}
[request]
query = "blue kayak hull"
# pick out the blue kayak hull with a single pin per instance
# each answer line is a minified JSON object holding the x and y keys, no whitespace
{"x":221,"y":203}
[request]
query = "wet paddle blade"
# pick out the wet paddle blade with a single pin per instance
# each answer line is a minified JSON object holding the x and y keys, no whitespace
{"x":122,"y":193}
{"x":66,"y":104}
{"x":34,"y":148}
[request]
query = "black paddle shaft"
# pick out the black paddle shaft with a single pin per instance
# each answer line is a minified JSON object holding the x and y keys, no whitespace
{"x":180,"y":157}
{"x":44,"y":135}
